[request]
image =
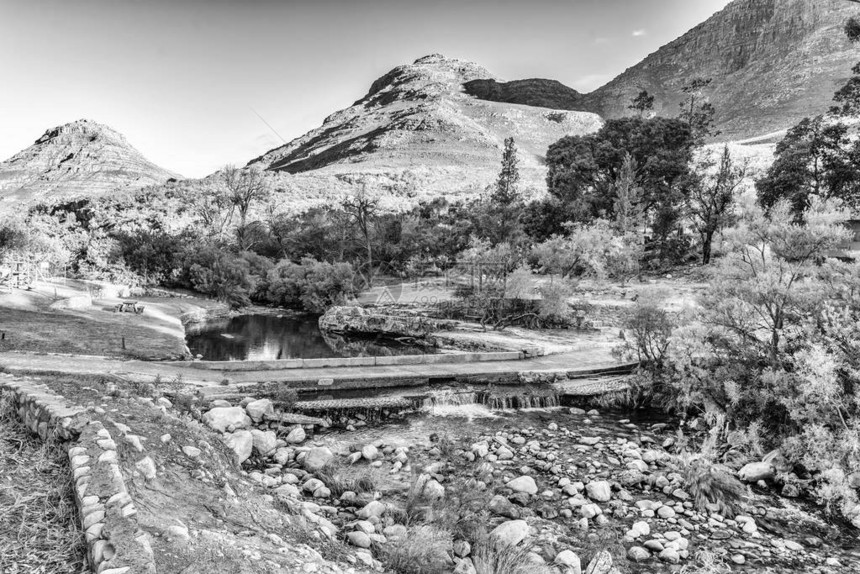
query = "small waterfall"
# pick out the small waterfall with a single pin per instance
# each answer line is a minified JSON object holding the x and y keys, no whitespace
{"x":468,"y":401}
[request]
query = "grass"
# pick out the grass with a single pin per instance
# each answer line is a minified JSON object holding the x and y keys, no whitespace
{"x":709,"y":485}
{"x":488,"y":559}
{"x":39,"y":524}
{"x":99,"y":333}
{"x":424,"y":550}
{"x":340,"y":478}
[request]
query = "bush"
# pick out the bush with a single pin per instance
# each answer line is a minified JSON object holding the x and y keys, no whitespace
{"x":311,"y":285}
{"x":489,"y":559}
{"x":424,"y":550}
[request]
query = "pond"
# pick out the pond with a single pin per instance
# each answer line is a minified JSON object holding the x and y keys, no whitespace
{"x":274,"y":337}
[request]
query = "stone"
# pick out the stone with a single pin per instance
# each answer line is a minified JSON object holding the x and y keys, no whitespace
{"x":666,"y":512}
{"x":524,"y":484}
{"x":638,"y":554}
{"x":503,"y":507}
{"x":359,"y":538}
{"x":433,"y":490}
{"x":374,"y":508}
{"x":241,"y":443}
{"x":669,"y":555}
{"x":146,"y":467}
{"x":296,"y":436}
{"x":464,"y":566}
{"x":462,"y":548}
{"x":589,"y":440}
{"x":221,"y":418}
{"x":640,"y":528}
{"x":756,"y":471}
{"x":317,"y":458}
{"x":510,"y":533}
{"x":265,"y":442}
{"x":288,"y":491}
{"x":259,"y":409}
{"x":599,"y":490}
{"x":569,"y":561}
{"x":481,"y":449}
{"x":600,"y":564}
{"x":369,"y":452}
{"x":191,"y":451}
{"x":590,"y":511}
{"x":739,"y":559}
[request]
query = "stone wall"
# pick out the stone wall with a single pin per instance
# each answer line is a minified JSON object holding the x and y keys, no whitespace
{"x":115,"y":543}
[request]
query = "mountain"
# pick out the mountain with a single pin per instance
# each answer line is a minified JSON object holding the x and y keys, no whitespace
{"x":418,"y":133}
{"x":534,"y":92}
{"x":79,"y":158}
{"x":773,"y":62}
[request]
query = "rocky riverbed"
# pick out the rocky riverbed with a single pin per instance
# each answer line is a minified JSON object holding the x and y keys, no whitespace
{"x":573,"y":490}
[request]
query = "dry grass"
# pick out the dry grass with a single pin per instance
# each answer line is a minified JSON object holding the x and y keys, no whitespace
{"x":489,"y":559}
{"x":424,"y":550}
{"x":708,"y":484}
{"x":39,"y":525}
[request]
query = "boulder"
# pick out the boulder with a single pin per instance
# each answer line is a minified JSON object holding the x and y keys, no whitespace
{"x":510,"y":533}
{"x":599,"y":490}
{"x":503,"y":507}
{"x":146,"y":467}
{"x":569,"y":562}
{"x":259,"y":409}
{"x":433,"y":490}
{"x":265,"y":442}
{"x":756,"y":471}
{"x":638,"y":554}
{"x":316,"y":458}
{"x":524,"y":484}
{"x":600,"y":564}
{"x":287,"y":491}
{"x":222,"y":418}
{"x":359,"y":538}
{"x":242,"y":444}
{"x":369,"y":452}
{"x":372,"y":508}
{"x":296,"y":436}
{"x":358,"y":320}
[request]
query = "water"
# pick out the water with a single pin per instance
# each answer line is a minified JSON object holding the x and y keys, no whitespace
{"x":274,"y":337}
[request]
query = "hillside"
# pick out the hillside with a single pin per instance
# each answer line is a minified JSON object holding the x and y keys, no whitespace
{"x":82,"y":157}
{"x":418,"y":133}
{"x":773,"y":62}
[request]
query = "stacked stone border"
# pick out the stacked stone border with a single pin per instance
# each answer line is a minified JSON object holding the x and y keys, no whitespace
{"x":115,"y":542}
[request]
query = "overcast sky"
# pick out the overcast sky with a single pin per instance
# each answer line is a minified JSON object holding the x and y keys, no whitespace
{"x":182,"y":79}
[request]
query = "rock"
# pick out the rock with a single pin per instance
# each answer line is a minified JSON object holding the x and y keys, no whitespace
{"x":462,"y":548}
{"x":590,"y":511}
{"x":481,"y":449}
{"x":790,"y":490}
{"x":654,"y":546}
{"x":638,"y":554}
{"x":282,"y":455}
{"x":287,"y":491}
{"x":369,"y":452}
{"x":265,"y":442}
{"x":191,"y":451}
{"x":666,"y":512}
{"x":296,"y":436}
{"x":359,"y":538}
{"x":221,"y":418}
{"x":396,"y":532}
{"x":510,"y":533}
{"x":464,"y":566}
{"x":259,"y":409}
{"x":433,"y":490}
{"x":242,"y":444}
{"x":589,"y":440}
{"x":640,"y":528}
{"x":599,"y":490}
{"x":317,"y":458}
{"x":358,"y":320}
{"x":739,"y":559}
{"x":372,"y":508}
{"x":631,"y":478}
{"x":503,"y":507}
{"x":669,"y":555}
{"x":146,"y":467}
{"x":600,"y":564}
{"x":756,"y":471}
{"x":524,"y":484}
{"x":569,"y":561}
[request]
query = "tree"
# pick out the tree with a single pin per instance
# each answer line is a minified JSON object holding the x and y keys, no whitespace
{"x":696,"y":112}
{"x":814,"y":159}
{"x":498,"y":217}
{"x":244,"y":188}
{"x":712,"y":195}
{"x":581,"y":252}
{"x":629,"y":217}
{"x":852,"y":30}
{"x":362,"y":210}
{"x":848,"y":97}
{"x":642,"y":103}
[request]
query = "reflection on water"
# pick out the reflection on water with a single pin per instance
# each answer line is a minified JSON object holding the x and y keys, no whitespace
{"x":274,"y":337}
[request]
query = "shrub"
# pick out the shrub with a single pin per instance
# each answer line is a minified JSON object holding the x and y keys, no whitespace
{"x":311,"y":285}
{"x":708,"y":484}
{"x":424,"y":550}
{"x":489,"y":559}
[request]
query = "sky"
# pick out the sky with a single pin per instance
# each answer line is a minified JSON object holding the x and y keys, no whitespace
{"x":192,"y":84}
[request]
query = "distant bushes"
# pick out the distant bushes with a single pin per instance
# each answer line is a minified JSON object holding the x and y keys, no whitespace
{"x":311,"y":285}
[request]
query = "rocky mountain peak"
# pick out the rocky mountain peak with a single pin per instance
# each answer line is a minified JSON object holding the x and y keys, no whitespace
{"x":772,"y":62}
{"x":78,"y":158}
